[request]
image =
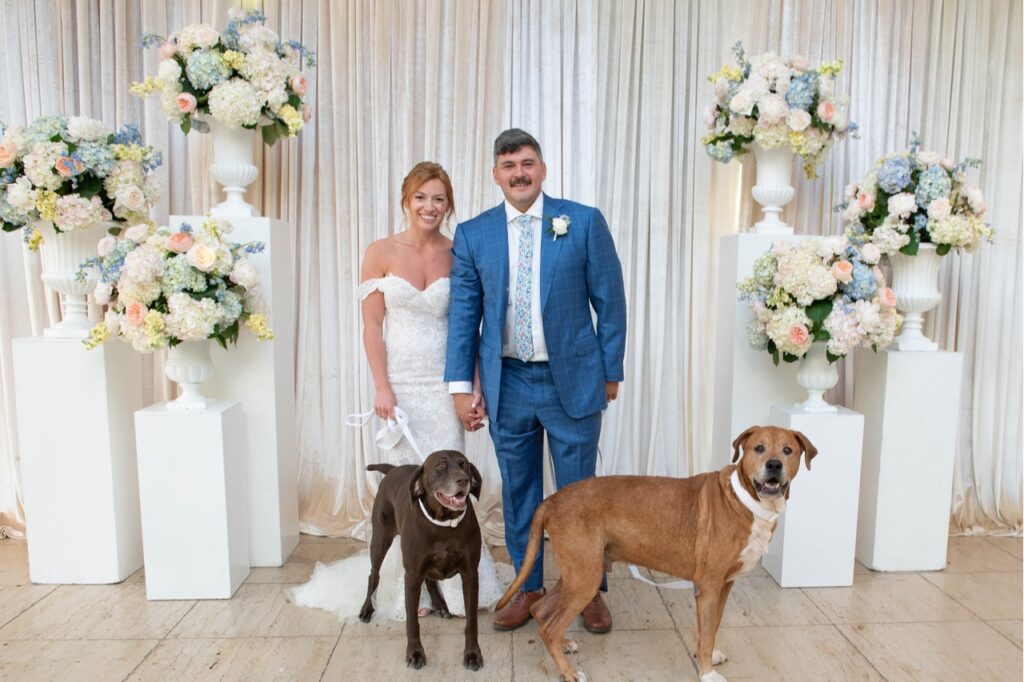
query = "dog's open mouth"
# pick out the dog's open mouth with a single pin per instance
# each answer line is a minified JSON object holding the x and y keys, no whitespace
{"x":770,"y":487}
{"x":456,"y":502}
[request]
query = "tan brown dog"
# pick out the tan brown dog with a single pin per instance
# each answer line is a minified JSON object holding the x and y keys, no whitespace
{"x":697,"y":528}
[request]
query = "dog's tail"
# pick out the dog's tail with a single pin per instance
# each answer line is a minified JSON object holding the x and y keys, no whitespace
{"x":532,"y":550}
{"x":383,"y":468}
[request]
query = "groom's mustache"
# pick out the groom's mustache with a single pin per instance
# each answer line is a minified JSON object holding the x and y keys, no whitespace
{"x":521,"y":181}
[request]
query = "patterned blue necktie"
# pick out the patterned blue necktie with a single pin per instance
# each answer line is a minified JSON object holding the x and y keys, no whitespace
{"x":523,"y":323}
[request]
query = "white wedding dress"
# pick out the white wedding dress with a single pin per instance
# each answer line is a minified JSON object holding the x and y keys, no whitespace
{"x":415,"y":336}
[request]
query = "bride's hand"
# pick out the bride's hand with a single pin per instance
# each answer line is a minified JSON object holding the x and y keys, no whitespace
{"x":479,"y":405}
{"x":384,"y":403}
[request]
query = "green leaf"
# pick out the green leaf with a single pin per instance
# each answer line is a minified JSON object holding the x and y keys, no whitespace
{"x":270,"y":134}
{"x":831,"y":358}
{"x":89,"y":186}
{"x":186,"y":124}
{"x":294,"y":100}
{"x":942,"y":249}
{"x":821,"y":335}
{"x":913,"y":245}
{"x":819,"y":310}
{"x":789,"y":357}
{"x":9,"y":227}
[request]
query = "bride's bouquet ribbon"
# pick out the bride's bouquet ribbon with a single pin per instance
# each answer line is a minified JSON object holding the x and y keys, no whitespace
{"x":391,"y":432}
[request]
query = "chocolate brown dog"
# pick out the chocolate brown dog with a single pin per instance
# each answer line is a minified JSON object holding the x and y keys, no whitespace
{"x":428,"y":507}
{"x":710,"y":529}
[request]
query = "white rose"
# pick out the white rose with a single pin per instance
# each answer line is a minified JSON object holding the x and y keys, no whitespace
{"x":129,"y":197}
{"x":244,"y":274}
{"x":101,"y":294}
{"x":21,"y":196}
{"x":902,"y":204}
{"x":798,"y":120}
{"x":207,"y":35}
{"x":721,"y":90}
{"x":560,"y":226}
{"x":975,"y":198}
{"x":169,"y":71}
{"x":709,"y":116}
{"x":137,"y":233}
{"x":927,"y":158}
{"x":105,"y":246}
{"x":772,"y":109}
{"x":939,"y":208}
{"x":87,"y":129}
{"x":741,"y":104}
{"x":870,"y":253}
{"x":202,"y":257}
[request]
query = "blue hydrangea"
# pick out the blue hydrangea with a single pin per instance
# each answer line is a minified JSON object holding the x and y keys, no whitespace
{"x":920,"y":222}
{"x":128,"y":134}
{"x":933,"y":183}
{"x":863,"y":285}
{"x":894,"y":174}
{"x":8,"y":176}
{"x":185,"y":227}
{"x":152,"y":161}
{"x":720,"y":151}
{"x":8,"y":214}
{"x":253,"y":247}
{"x":45,"y":129}
{"x":150,"y":39}
{"x":179,"y":275}
{"x":97,"y":157}
{"x":801,"y":92}
{"x":232,"y":303}
{"x":206,"y":69}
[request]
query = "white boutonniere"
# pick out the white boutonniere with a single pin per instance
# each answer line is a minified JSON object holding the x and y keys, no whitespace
{"x":559,"y":226}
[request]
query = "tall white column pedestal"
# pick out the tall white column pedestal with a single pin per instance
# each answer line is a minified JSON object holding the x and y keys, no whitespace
{"x":78,"y":467}
{"x":911,"y":406}
{"x":747,"y":384}
{"x":192,"y":486}
{"x":261,"y":375}
{"x":814,"y":543}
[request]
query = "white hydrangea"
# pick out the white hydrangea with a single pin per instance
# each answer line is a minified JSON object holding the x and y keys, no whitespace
{"x":169,"y":72}
{"x":196,"y":36}
{"x":771,"y":137}
{"x":125,"y":173}
{"x":955,"y":230}
{"x":87,"y":129}
{"x":144,"y":264}
{"x":235,"y":102}
{"x":832,"y":246}
{"x":902,"y":204}
{"x":169,"y":104}
{"x":780,"y":327}
{"x":39,"y":164}
{"x":844,"y":331}
{"x":264,"y":70}
{"x":189,"y":319}
{"x":888,"y":238}
{"x":257,"y":36}
{"x":772,"y":109}
{"x":742,"y":125}
{"x":804,"y":274}
{"x":21,"y":195}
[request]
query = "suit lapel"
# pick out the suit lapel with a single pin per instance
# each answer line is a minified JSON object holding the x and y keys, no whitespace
{"x":549,"y":248}
{"x":499,"y":226}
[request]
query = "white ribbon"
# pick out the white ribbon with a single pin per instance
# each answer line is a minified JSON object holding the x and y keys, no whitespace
{"x":390,"y":434}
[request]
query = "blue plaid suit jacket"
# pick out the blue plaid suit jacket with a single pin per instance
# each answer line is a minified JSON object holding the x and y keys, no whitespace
{"x":579,"y":270}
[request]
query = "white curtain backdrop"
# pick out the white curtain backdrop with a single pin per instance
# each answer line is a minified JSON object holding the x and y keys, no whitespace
{"x":614,"y":92}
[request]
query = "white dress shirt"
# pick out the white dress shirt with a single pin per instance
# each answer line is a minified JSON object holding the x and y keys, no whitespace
{"x":508,"y":344}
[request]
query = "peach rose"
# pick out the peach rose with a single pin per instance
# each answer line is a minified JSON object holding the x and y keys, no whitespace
{"x":135,"y":313}
{"x":202,"y":257}
{"x":299,"y":84}
{"x":866,"y":201}
{"x":798,"y":63}
{"x":306,"y":115}
{"x":826,"y":111}
{"x":842,"y":270}
{"x":167,"y":50}
{"x":180,"y":242}
{"x":798,"y":335}
{"x":68,"y":166}
{"x":8,"y":152}
{"x":186,"y":102}
{"x":947,"y":163}
{"x":886,"y":297}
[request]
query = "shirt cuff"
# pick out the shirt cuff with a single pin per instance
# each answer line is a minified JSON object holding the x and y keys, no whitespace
{"x":460,"y":387}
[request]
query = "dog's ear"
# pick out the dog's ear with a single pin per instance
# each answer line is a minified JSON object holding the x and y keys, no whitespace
{"x":739,"y":441}
{"x":416,"y":488}
{"x":475,"y":480}
{"x":809,"y":450}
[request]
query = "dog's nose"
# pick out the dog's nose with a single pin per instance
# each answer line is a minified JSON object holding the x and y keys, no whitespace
{"x":773,"y":467}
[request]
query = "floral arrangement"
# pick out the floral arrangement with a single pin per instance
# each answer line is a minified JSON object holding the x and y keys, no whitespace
{"x":164,"y":286}
{"x":74,"y":172}
{"x":245,"y":76}
{"x":776,"y":102}
{"x":819,"y":290}
{"x":913,"y":198}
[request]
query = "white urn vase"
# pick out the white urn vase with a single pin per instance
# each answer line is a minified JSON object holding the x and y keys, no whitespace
{"x":816,"y":375}
{"x":915,"y":280}
{"x":189,"y":365}
{"x":773,"y":189}
{"x":62,"y":254}
{"x":232,"y":167}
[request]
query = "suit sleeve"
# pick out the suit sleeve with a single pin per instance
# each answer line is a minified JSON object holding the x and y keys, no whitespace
{"x":464,"y":313}
{"x":607,"y":296}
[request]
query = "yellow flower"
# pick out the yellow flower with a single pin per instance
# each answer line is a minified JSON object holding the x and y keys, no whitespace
{"x":728,"y":72}
{"x":233,"y":59}
{"x":291,"y":118}
{"x":831,"y":68}
{"x":97,"y":335}
{"x":128,"y":152}
{"x":34,"y":239}
{"x":257,"y":324}
{"x":46,"y":204}
{"x":146,"y":87}
{"x":153,"y":326}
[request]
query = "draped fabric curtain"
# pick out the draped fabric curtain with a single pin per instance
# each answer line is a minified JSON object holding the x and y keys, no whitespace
{"x":614,"y":92}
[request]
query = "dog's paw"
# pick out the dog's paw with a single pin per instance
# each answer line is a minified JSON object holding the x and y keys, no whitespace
{"x":718,"y":657}
{"x":712,"y":676}
{"x":366,"y":613}
{"x":473,"y":659}
{"x":442,"y":610}
{"x":415,"y":658}
{"x":570,"y":646}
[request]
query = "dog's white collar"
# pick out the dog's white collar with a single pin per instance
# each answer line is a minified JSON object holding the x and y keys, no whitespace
{"x":451,"y":523}
{"x":748,"y":500}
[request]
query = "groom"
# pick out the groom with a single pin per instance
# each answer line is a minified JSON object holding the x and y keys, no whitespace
{"x":525,"y":276}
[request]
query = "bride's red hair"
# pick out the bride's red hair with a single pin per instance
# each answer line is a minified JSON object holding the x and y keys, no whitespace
{"x":422,"y":172}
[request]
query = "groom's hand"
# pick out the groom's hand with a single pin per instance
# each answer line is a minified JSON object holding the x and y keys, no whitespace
{"x":466,"y":411}
{"x":611,"y":390}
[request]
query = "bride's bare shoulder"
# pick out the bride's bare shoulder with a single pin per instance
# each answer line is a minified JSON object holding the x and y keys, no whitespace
{"x":378,"y":258}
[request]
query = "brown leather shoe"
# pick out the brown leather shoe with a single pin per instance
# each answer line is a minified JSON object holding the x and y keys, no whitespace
{"x":596,"y":616}
{"x":517,"y":612}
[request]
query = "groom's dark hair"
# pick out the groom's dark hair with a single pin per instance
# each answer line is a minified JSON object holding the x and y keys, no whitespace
{"x":512,"y":140}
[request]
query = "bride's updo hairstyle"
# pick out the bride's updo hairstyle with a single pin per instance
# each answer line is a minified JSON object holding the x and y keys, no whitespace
{"x":422,"y":172}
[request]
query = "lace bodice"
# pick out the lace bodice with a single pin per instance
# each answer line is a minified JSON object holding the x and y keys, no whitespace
{"x":415,"y":327}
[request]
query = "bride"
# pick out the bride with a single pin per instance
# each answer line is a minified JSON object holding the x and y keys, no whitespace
{"x":405,"y":294}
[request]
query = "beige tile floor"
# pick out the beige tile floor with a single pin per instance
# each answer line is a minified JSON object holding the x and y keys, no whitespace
{"x":959,"y":624}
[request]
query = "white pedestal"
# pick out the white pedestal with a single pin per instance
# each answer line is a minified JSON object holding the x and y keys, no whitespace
{"x":747,"y":384}
{"x":193,"y":493}
{"x":814,"y":543}
{"x":261,"y":375}
{"x":911,"y":406}
{"x":78,"y":467}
